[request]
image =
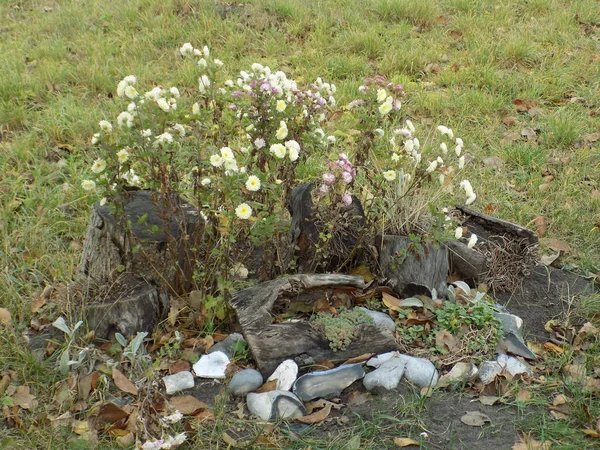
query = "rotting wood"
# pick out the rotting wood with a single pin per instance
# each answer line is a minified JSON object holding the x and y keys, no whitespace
{"x":271,"y":343}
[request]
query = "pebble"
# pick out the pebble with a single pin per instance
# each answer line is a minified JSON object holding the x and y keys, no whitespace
{"x":327,"y":382}
{"x":460,"y":372}
{"x":386,"y":376}
{"x":275,"y":405}
{"x":178,"y":382}
{"x":488,"y":371}
{"x":245,"y":381}
{"x":513,"y":366}
{"x":418,"y":371}
{"x":382,"y":320}
{"x":212,"y":365}
{"x":227,"y":344}
{"x":285,"y":374}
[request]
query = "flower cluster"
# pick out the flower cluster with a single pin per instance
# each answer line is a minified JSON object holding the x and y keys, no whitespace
{"x":341,"y":173}
{"x":168,"y":443}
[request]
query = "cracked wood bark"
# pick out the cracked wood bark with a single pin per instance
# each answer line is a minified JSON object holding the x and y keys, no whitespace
{"x":271,"y":343}
{"x":163,"y":262}
{"x":413,"y":270}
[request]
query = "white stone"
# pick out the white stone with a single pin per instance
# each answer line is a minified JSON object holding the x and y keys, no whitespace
{"x":382,"y":320}
{"x":285,"y":374}
{"x":386,"y":376}
{"x":461,"y":372}
{"x":377,"y":361}
{"x":178,"y":382}
{"x":263,"y":405}
{"x":513,"y":366}
{"x":212,"y":365}
{"x":488,"y":371}
{"x":245,"y":381}
{"x":420,"y":371}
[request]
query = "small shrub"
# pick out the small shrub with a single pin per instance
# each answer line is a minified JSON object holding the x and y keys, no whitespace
{"x":339,"y":329}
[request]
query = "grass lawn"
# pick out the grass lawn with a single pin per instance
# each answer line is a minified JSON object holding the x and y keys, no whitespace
{"x":519,"y":79}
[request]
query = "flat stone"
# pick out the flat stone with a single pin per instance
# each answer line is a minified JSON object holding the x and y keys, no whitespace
{"x":212,"y":365}
{"x":227,"y":344}
{"x":460,"y":372}
{"x":381,"y":319}
{"x":488,"y":370}
{"x":245,"y":381}
{"x":377,"y":361}
{"x":510,"y":323}
{"x":275,"y":405}
{"x":328,"y":382}
{"x":513,"y":344}
{"x":387,"y":376}
{"x":178,"y":382}
{"x":420,"y":371}
{"x":285,"y":374}
{"x":513,"y":366}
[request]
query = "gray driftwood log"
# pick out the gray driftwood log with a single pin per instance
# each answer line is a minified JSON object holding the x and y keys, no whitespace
{"x":411,"y":269}
{"x":271,"y":343}
{"x":128,"y":271}
{"x":470,"y":265}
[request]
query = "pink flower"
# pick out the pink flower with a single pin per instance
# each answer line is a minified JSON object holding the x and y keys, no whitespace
{"x":324,"y":189}
{"x":347,"y":177}
{"x":328,"y":178}
{"x":347,"y":199}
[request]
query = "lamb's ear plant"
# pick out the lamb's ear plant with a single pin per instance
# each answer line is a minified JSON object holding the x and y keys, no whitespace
{"x":65,"y":363}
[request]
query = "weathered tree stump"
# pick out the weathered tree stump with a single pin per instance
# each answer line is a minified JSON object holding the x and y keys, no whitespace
{"x":308,"y":222}
{"x":413,"y":269}
{"x":271,"y":343}
{"x":470,"y":265}
{"x":140,"y":259}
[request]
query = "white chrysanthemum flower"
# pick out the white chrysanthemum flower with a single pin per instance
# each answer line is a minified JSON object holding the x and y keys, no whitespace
{"x":459,"y":141}
{"x":103,"y":201}
{"x":442,"y":178}
{"x":249,"y":128}
{"x":472,"y":241}
{"x":282,"y":131}
{"x":218,"y":62}
{"x":147,"y":132}
{"x":390,"y":175}
{"x":105,"y":126}
{"x":175,"y":92}
{"x":173,"y":418}
{"x":417,"y":158}
{"x":471,"y":199}
{"x":163,"y":104}
{"x":154,"y":94}
{"x":458,"y":150}
{"x":410,"y":126}
{"x":132,"y":108}
{"x":395,"y":157}
{"x":165,"y":138}
{"x":244,"y":150}
{"x":259,"y":143}
{"x":432,"y":166}
{"x":99,"y":166}
{"x":206,"y":51}
{"x":186,"y":49}
{"x":196,"y":109}
{"x":205,"y":182}
{"x":227,"y":154}
{"x":445,"y":131}
{"x":179,"y":129}
{"x":239,"y":270}
{"x":444,"y":148}
{"x":417,"y":143}
{"x":319,"y":132}
{"x":458,"y":233}
{"x":243,"y":211}
{"x":253,"y":183}
{"x":381,"y":95}
{"x":385,"y":107}
{"x":229,"y":83}
{"x":95,"y":138}
{"x":466,"y":185}
{"x":278,"y":150}
{"x":409,"y":146}
{"x":440,"y":160}
{"x":280,"y":106}
{"x":379,"y":132}
{"x":88,"y":185}
{"x":122,"y":155}
{"x":216,"y":160}
{"x":278,"y":181}
{"x":331,"y":139}
{"x":125,"y":119}
{"x":293,"y":149}
{"x":203,"y":84}
{"x":202,"y":64}
{"x":130,"y":92}
{"x":461,"y":162}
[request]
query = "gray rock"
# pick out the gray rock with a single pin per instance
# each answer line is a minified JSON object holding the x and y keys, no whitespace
{"x":461,"y":372}
{"x":488,"y":371}
{"x":178,"y":382}
{"x":513,"y":366}
{"x":510,"y":323}
{"x":212,"y":365}
{"x":275,"y":405}
{"x":226,"y":345}
{"x":245,"y":381}
{"x":382,"y":320}
{"x":387,"y":376}
{"x":513,"y":344}
{"x":377,"y":361}
{"x":420,"y":371}
{"x":328,"y":382}
{"x":285,"y":374}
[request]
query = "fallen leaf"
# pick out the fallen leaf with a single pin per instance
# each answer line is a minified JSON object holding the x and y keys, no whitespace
{"x":524,"y":105}
{"x":316,"y":417}
{"x":591,"y":433}
{"x":488,"y":400}
{"x":123,"y":383}
{"x":268,"y":386}
{"x":560,"y":399}
{"x":445,"y":339}
{"x":5,"y":317}
{"x":557,"y":245}
{"x":493,"y":161}
{"x":179,"y":366}
{"x":558,"y":415}
{"x":187,"y":404}
{"x":80,"y":426}
{"x":547,"y":260}
{"x":357,"y":398}
{"x":475,"y":419}
{"x":203,"y":415}
{"x":523,"y":395}
{"x":359,"y":359}
{"x":529,"y":133}
{"x":591,"y":137}
{"x":322,"y":365}
{"x":111,"y":413}
{"x":364,"y":272}
{"x":23,"y":398}
{"x":553,"y":348}
{"x":411,"y":302}
{"x":540,"y":225}
{"x":126,"y":440}
{"x":595,"y":194}
{"x":229,"y":440}
{"x":390,"y":301}
{"x":509,"y":121}
{"x":528,"y":443}
{"x":544,"y":187}
{"x":404,"y":442}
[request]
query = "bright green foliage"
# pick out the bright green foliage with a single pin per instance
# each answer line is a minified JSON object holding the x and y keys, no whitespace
{"x":339,"y":330}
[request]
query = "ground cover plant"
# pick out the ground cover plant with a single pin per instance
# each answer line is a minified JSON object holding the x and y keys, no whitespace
{"x":518,"y":79}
